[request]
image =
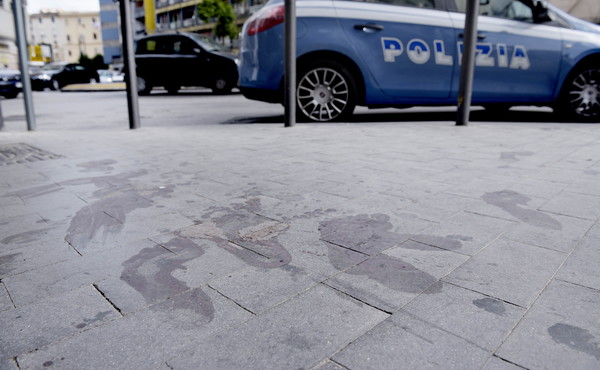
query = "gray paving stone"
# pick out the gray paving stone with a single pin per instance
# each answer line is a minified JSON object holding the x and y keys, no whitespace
{"x":139,"y":340}
{"x":29,"y":328}
{"x":258,"y":289}
{"x":582,"y":265}
{"x":439,"y":207}
{"x":511,"y":271}
{"x":558,"y":332}
{"x":62,"y":277}
{"x":562,"y":236}
{"x":480,"y":319}
{"x":406,"y":341}
{"x":574,"y":204}
{"x":464,"y":233}
{"x":32,"y":256}
{"x":496,"y":363}
{"x":159,"y":272}
{"x":390,"y":280}
{"x":595,"y":230}
{"x":302,"y":332}
{"x":18,"y":224}
{"x":5,"y":302}
{"x":329,"y":365}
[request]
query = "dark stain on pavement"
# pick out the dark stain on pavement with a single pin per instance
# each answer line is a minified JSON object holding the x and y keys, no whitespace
{"x":362,"y":233}
{"x":100,"y":165}
{"x":150,"y":272}
{"x":575,"y":338}
{"x":515,"y":204}
{"x":396,"y":274}
{"x":512,"y":156}
{"x":6,"y":263}
{"x":25,"y":237}
{"x":99,"y":317}
{"x":490,"y":305}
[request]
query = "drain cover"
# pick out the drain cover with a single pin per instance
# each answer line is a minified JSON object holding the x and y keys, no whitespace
{"x":23,"y":153}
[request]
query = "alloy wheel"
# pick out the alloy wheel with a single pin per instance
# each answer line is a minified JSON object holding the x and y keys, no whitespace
{"x":322,"y":94}
{"x":584,"y":94}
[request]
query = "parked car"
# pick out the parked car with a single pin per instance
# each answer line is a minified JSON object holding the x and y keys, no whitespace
{"x":403,"y":53}
{"x":57,"y":75}
{"x":110,"y":76}
{"x":183,"y":59}
{"x":10,"y":83}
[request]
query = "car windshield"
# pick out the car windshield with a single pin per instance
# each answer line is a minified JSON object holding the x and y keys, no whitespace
{"x":207,"y":43}
{"x":52,"y":67}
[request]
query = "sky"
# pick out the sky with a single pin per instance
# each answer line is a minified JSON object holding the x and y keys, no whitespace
{"x":34,"y":6}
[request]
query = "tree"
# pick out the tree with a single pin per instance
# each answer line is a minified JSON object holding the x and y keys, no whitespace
{"x":222,"y":14}
{"x":95,"y":63}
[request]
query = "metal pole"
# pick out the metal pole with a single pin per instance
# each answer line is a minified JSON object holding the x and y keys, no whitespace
{"x":129,"y":59}
{"x":19,"y":15}
{"x":465,"y":91}
{"x":1,"y":118}
{"x":290,"y":63}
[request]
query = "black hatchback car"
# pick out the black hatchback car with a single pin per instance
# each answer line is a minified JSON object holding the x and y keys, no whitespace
{"x":183,"y":59}
{"x":10,"y":83}
{"x":58,"y":75}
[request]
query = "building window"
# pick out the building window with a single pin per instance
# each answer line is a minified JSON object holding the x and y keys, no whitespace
{"x":95,"y":36}
{"x":70,"y":54}
{"x":68,"y":38}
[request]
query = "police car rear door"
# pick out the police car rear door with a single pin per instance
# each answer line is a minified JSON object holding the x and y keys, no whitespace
{"x":518,"y":58}
{"x":406,"y":44}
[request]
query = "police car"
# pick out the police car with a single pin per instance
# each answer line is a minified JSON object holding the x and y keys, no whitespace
{"x":399,"y":53}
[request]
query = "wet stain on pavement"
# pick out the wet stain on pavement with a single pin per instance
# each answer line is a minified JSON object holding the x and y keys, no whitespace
{"x":575,"y":338}
{"x":515,"y":204}
{"x":100,"y":165}
{"x":362,"y":233}
{"x":248,"y":236}
{"x":150,"y":272}
{"x":512,"y":156}
{"x":490,"y":305}
{"x":6,"y":263}
{"x":26,"y":237}
{"x":99,"y":317}
{"x":108,"y":214}
{"x":396,"y":274}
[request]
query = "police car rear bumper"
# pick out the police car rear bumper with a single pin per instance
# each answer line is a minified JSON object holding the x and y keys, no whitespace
{"x":265,"y":95}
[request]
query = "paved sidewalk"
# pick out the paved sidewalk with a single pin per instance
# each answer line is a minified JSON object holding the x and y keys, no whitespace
{"x":399,"y":245}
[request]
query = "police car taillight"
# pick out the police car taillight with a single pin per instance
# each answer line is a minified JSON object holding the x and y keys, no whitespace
{"x":269,"y":18}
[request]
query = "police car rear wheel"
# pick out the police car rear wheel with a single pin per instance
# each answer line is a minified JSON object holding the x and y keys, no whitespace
{"x":581,"y":100}
{"x":325,"y":92}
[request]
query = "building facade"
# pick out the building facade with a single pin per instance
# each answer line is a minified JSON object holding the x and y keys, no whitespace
{"x":69,"y":34}
{"x":8,"y":48}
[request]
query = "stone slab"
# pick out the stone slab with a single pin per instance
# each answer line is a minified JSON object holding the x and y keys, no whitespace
{"x":560,"y":331}
{"x":28,"y":328}
{"x":574,"y":204}
{"x":143,"y":340}
{"x":480,"y":319}
{"x":406,"y":341}
{"x":510,"y":271}
{"x":300,"y":333}
{"x":582,"y":266}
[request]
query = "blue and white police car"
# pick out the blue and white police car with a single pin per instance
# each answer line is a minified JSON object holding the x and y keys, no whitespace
{"x":399,"y":53}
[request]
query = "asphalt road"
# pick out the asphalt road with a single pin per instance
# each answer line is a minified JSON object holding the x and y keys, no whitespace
{"x":64,"y":110}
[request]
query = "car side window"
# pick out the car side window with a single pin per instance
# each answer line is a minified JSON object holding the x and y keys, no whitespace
{"x":183,"y":46}
{"x":508,"y":9}
{"x":427,"y":4}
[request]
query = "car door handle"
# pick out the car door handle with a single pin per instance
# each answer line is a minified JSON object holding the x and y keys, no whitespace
{"x":370,"y":27}
{"x":480,"y":36}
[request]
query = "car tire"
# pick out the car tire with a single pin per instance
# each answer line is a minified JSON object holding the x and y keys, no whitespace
{"x":55,"y":85}
{"x":325,"y":92}
{"x":11,"y":95}
{"x":221,"y":86}
{"x":143,"y":86}
{"x":172,"y":89}
{"x":580,"y":97}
